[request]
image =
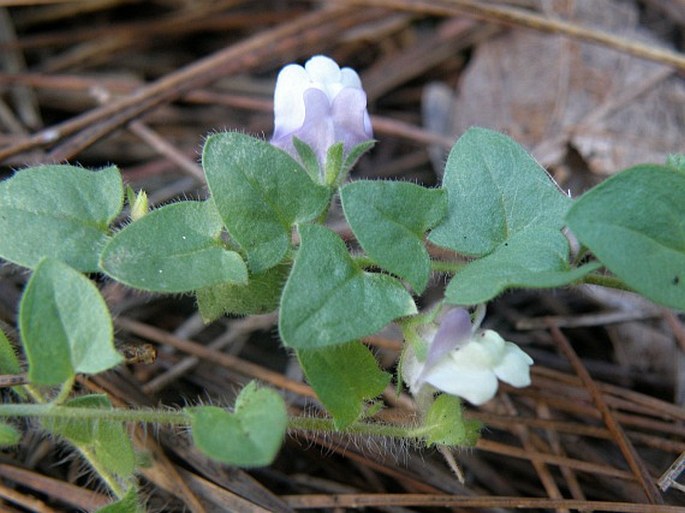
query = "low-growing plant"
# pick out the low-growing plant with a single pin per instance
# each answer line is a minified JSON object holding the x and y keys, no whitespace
{"x":258,"y":243}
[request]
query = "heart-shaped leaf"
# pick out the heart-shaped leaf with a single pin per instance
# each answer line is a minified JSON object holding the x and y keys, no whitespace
{"x":61,"y":212}
{"x":65,"y":325}
{"x":390,"y":220}
{"x":504,"y":207}
{"x":248,"y":437}
{"x":532,"y":259}
{"x":495,"y":190}
{"x":260,"y":192}
{"x":329,"y":300}
{"x":634,"y":223}
{"x":176,"y":248}
{"x":343,"y":376}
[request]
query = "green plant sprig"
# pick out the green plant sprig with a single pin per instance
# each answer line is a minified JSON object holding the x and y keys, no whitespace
{"x":498,"y":218}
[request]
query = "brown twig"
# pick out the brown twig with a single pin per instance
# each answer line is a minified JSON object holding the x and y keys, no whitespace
{"x":629,"y":452}
{"x":363,"y":500}
{"x":233,"y":363}
{"x":293,"y":37}
{"x":519,"y":17}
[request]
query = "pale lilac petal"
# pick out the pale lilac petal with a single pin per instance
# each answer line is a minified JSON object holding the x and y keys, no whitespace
{"x":317,"y":130}
{"x":476,"y":385}
{"x":321,"y":105}
{"x":454,"y":331}
{"x":319,"y":125}
{"x":514,"y":367}
{"x":368,"y":129}
{"x":348,"y":111}
{"x":323,"y":71}
{"x":289,"y":108}
{"x":349,"y":78}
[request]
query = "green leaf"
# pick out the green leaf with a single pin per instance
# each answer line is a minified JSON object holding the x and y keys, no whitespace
{"x":176,"y":248}
{"x":496,"y":190}
{"x":333,"y":164}
{"x":310,"y":162}
{"x":329,"y":300}
{"x":260,"y":193}
{"x":107,"y":440}
{"x":61,"y":212}
{"x":249,"y":437}
{"x":445,"y":424}
{"x":353,"y":156}
{"x":530,"y":259}
{"x":9,"y":435}
{"x":261,"y":295}
{"x":65,"y":325}
{"x":9,"y":363}
{"x":634,"y":223}
{"x":81,"y":431}
{"x":390,"y":219}
{"x":343,"y":376}
{"x":128,"y":504}
{"x":502,"y":206}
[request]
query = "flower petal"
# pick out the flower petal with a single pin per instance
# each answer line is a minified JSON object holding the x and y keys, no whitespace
{"x":491,"y":342}
{"x":350,"y":78}
{"x":325,"y":74}
{"x":514,"y":367}
{"x":317,"y":129}
{"x":321,"y":105}
{"x":476,"y":385}
{"x":349,"y":116}
{"x":289,"y":109}
{"x":454,"y":331}
{"x":476,"y":354}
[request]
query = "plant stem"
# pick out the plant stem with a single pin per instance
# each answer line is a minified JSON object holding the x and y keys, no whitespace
{"x":364,"y":261}
{"x":446,"y":266}
{"x":606,"y":281}
{"x":45,"y":409}
{"x":64,"y":392}
{"x":117,"y":414}
{"x":358,"y":428}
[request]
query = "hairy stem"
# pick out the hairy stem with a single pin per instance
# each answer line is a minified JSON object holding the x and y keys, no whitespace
{"x":359,"y":428}
{"x":64,"y":392}
{"x":117,"y":414}
{"x":446,"y":266}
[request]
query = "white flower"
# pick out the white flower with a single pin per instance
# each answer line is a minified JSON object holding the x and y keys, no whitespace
{"x":321,"y":105}
{"x":466,"y":362}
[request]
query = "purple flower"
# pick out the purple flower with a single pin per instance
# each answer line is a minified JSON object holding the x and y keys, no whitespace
{"x":465,"y":361}
{"x":320,"y":104}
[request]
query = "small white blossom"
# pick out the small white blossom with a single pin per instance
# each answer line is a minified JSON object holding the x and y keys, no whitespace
{"x":320,"y":104}
{"x":465,"y":361}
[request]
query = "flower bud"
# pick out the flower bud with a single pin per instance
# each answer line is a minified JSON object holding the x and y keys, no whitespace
{"x":320,"y":104}
{"x":464,"y":361}
{"x":138,"y":203}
